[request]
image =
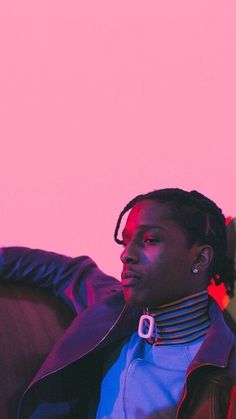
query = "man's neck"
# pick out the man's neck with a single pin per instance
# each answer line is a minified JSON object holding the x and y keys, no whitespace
{"x":181,"y":321}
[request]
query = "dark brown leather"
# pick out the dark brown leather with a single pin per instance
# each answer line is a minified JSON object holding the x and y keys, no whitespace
{"x":209,"y":395}
{"x":31,"y":321}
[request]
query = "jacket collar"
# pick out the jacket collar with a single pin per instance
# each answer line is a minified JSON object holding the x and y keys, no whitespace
{"x":93,"y":329}
{"x":218,"y":342}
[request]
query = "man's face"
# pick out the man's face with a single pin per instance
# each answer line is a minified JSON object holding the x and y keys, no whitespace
{"x":156,"y":257}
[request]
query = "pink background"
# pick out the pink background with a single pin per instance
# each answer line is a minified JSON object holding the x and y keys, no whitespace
{"x":102,"y":100}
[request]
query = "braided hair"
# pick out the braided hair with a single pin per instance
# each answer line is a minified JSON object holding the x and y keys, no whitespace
{"x":202,"y":221}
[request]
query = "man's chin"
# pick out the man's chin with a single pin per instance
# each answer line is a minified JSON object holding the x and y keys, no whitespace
{"x":136,"y":300}
{"x":133,"y":300}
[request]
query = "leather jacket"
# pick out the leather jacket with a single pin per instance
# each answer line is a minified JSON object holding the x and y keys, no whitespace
{"x":68,"y":381}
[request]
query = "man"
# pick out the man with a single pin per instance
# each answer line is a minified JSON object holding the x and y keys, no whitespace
{"x":182,"y":361}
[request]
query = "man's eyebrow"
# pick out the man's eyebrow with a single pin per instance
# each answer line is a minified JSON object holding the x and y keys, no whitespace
{"x":149,"y":226}
{"x":144,"y":227}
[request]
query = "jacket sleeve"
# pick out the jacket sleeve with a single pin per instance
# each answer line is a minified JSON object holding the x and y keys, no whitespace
{"x":78,"y":281}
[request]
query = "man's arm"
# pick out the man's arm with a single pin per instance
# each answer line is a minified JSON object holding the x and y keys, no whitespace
{"x":78,"y":281}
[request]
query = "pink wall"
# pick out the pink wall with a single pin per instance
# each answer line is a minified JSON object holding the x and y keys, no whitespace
{"x":101,"y":100}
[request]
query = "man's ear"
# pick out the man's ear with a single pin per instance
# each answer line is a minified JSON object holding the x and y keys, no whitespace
{"x":204,"y":257}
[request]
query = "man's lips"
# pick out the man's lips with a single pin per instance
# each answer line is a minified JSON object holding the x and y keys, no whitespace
{"x":129,"y":278}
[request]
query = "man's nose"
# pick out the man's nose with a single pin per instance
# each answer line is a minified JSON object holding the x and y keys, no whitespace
{"x":129,"y":254}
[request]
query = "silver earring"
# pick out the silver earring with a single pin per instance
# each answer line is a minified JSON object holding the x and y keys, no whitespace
{"x":195,"y":270}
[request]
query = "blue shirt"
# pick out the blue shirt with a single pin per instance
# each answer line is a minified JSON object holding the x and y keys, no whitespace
{"x":143,"y":381}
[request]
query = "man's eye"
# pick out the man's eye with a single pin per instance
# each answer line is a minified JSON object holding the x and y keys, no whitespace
{"x":151,"y":240}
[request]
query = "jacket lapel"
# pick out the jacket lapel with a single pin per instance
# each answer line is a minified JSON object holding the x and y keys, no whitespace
{"x":94,"y":328}
{"x":219,"y":337}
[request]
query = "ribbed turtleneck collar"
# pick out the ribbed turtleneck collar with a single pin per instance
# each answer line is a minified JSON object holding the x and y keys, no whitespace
{"x":181,"y":321}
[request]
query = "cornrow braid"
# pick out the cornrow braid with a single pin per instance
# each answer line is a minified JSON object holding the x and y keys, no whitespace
{"x":202,"y":221}
{"x":125,"y":209}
